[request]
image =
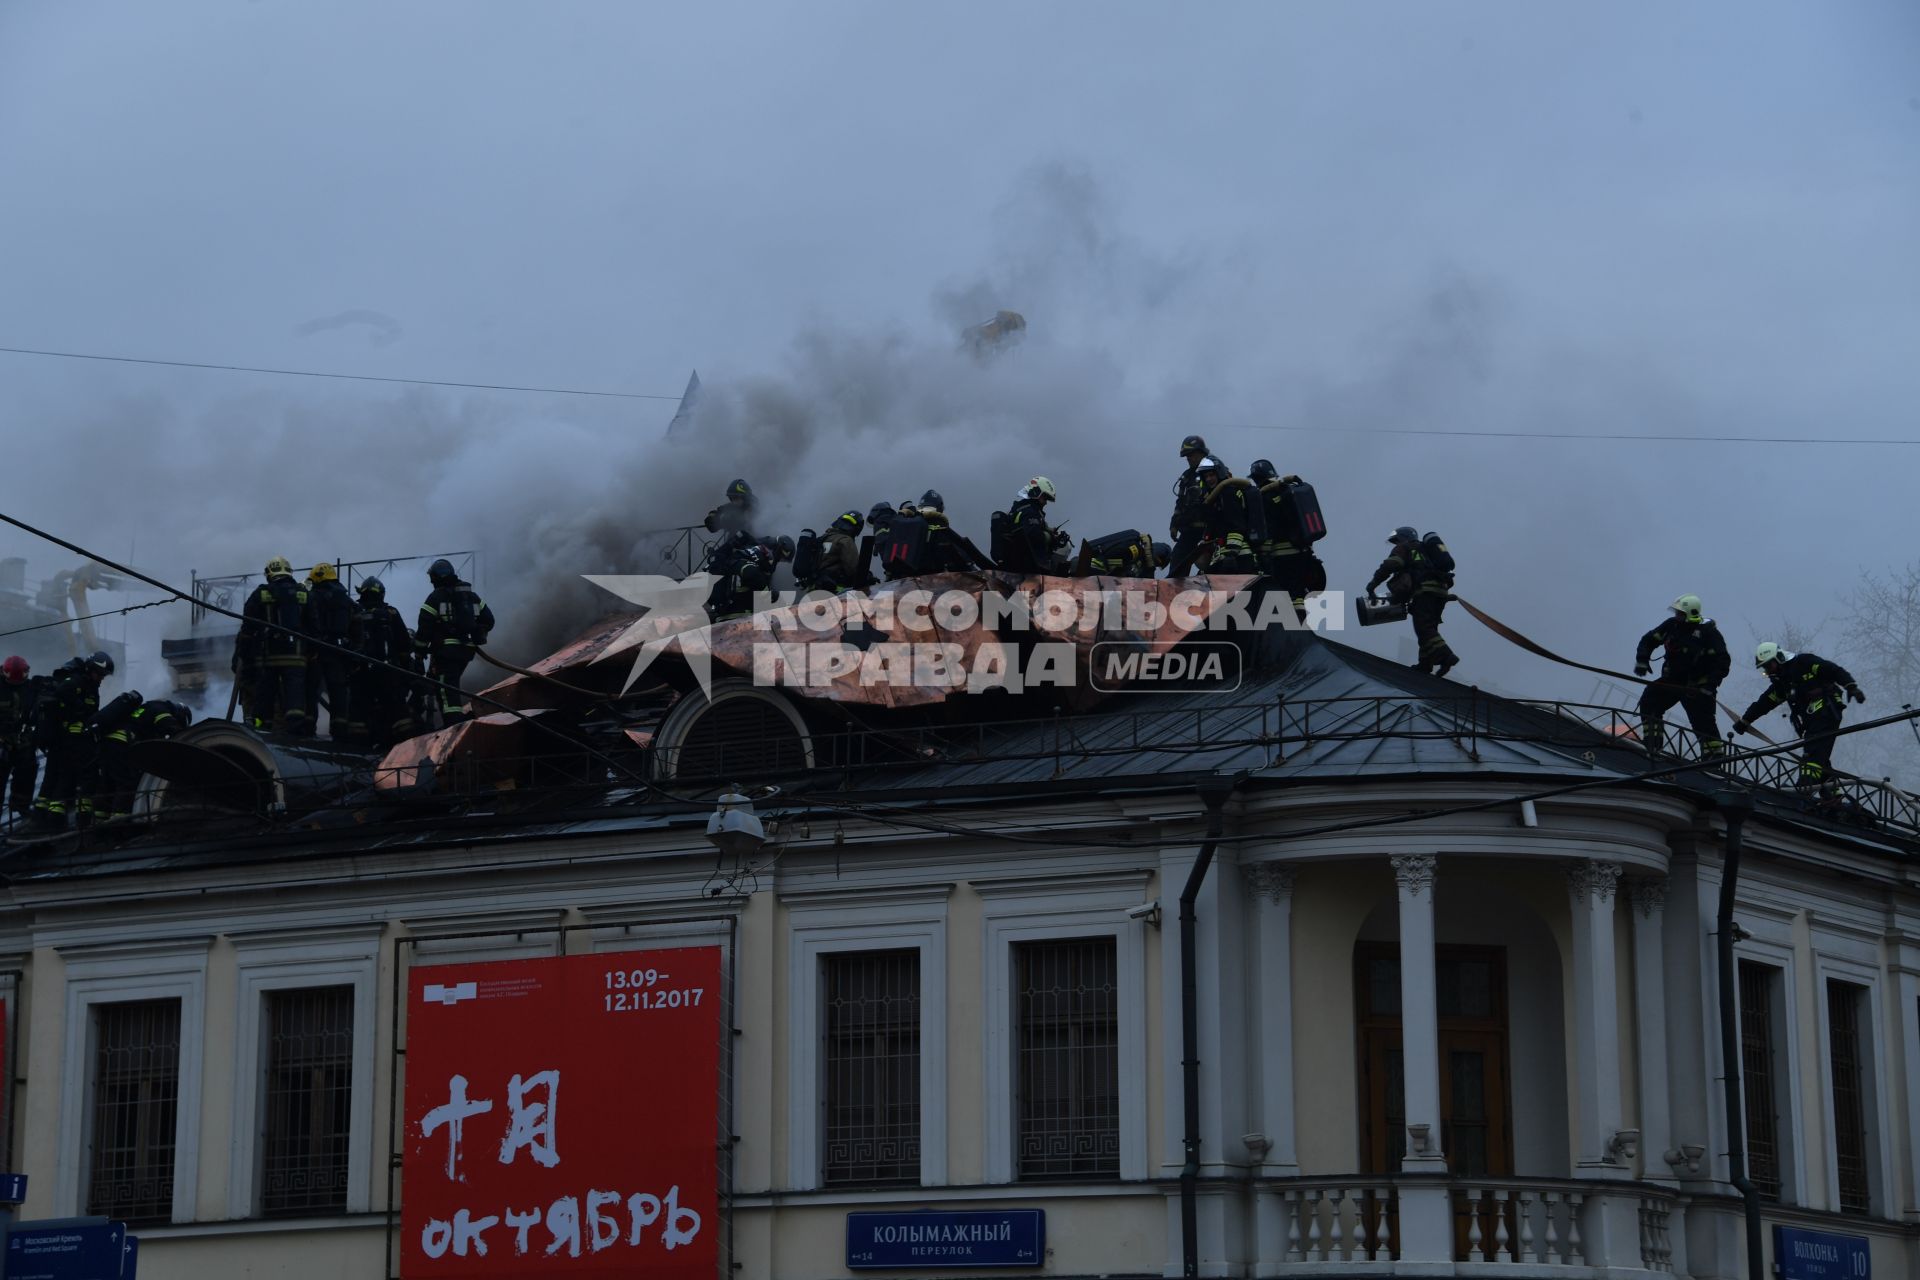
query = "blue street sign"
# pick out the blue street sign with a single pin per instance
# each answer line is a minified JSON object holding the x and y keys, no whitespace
{"x":130,"y":1268}
{"x":939,"y":1238}
{"x":1799,"y":1254}
{"x":13,"y":1188}
{"x":70,"y":1249}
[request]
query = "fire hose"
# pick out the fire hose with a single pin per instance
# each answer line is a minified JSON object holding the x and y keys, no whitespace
{"x":1508,"y":634}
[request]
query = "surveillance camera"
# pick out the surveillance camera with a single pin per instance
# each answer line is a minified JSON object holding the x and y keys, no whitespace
{"x":1148,"y":911}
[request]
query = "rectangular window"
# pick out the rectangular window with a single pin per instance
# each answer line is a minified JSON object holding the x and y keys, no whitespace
{"x":1067,"y":1029}
{"x":1759,"y":1077}
{"x":136,"y":1105}
{"x":872,"y":1068}
{"x":1849,"y":1093}
{"x":307,"y":1100}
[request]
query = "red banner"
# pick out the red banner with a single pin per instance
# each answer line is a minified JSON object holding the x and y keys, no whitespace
{"x":562,"y":1117}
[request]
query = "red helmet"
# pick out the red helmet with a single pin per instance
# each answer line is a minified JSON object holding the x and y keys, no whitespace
{"x":14,"y":669}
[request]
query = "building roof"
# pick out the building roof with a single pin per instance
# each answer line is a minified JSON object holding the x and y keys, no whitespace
{"x":1308,"y":710}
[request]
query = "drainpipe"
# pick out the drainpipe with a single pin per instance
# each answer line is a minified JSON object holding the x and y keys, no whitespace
{"x":1213,"y":793}
{"x":1735,"y":810}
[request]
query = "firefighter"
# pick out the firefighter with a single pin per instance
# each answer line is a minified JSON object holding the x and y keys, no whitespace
{"x":1033,"y":545}
{"x":837,"y":565}
{"x":330,"y":618}
{"x":271,"y":645}
{"x":117,"y":726}
{"x":19,"y":766}
{"x":380,"y":697}
{"x":1696,"y":662}
{"x":1235,"y":521}
{"x":947,"y":551}
{"x":1126,"y":554}
{"x":1811,"y":687}
{"x":735,"y":515}
{"x":1188,"y":528}
{"x":152,"y":721}
{"x":1287,"y":554}
{"x":61,"y":722}
{"x":1419,"y":574}
{"x":454,"y":621}
{"x":879,"y":520}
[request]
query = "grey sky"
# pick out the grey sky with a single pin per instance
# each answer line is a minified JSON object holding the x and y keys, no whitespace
{"x":1643,"y":218}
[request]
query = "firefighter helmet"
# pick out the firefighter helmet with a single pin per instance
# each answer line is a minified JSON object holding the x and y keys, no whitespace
{"x":100,"y":663}
{"x":279,"y":567}
{"x":880,"y":515}
{"x":932,"y":501}
{"x":1211,"y":464}
{"x":372,"y":587}
{"x":1262,"y":471}
{"x":441,"y":571}
{"x":1041,"y":487}
{"x":1192,"y":444}
{"x":1405,"y":533}
{"x":1769,"y":653}
{"x":324,"y":572}
{"x":739,"y":491}
{"x":15,"y":669}
{"x":849,"y":522}
{"x":1689,"y":607}
{"x":1162,"y":553}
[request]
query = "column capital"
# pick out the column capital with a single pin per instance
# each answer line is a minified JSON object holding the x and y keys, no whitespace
{"x":1413,"y":872}
{"x":1593,"y":878}
{"x":1270,"y":880}
{"x":1649,"y":897}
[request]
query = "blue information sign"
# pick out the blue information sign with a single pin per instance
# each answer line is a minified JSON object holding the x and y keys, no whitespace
{"x":13,"y":1188}
{"x":130,"y":1268}
{"x":1799,"y":1254}
{"x":66,"y":1250}
{"x":943,"y":1238}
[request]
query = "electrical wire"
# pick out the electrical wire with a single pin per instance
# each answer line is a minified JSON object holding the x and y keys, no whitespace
{"x":1643,"y":437}
{"x":343,"y":377}
{"x":87,"y":617}
{"x":1447,"y":432}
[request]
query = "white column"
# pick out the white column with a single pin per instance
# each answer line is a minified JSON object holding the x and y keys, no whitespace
{"x":1650,"y":1027}
{"x":1270,"y":1109}
{"x":1419,"y":1020}
{"x":1595,"y":1017}
{"x":1426,"y":1213}
{"x":1270,"y":887}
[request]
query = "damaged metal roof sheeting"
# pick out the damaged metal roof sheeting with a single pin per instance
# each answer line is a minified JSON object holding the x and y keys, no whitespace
{"x":485,"y":751}
{"x":983,"y":618}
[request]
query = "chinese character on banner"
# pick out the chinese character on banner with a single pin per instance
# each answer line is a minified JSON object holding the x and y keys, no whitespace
{"x":562,"y":1117}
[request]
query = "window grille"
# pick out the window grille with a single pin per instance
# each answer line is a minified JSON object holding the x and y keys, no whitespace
{"x":136,"y":1102}
{"x":1068,"y":1059}
{"x":308,"y":1100}
{"x":1757,"y":1076}
{"x":1849,"y":1094}
{"x":872,"y":1069}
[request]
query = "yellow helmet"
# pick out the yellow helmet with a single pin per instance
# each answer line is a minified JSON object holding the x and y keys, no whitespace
{"x":279,"y":567}
{"x":1690,"y":608}
{"x":324,"y":573}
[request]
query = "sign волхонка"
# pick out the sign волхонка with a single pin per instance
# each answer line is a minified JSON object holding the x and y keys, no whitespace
{"x":562,"y":1117}
{"x":947,"y":1238}
{"x":1799,"y":1254}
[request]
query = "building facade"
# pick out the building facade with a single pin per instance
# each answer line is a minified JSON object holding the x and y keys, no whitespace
{"x":1481,"y":1042}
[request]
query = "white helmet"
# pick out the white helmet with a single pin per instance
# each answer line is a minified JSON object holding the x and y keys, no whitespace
{"x":1768,"y":652}
{"x":1039,"y":487}
{"x":1689,"y":607}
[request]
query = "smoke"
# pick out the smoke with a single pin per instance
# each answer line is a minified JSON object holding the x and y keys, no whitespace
{"x":1129,"y":345}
